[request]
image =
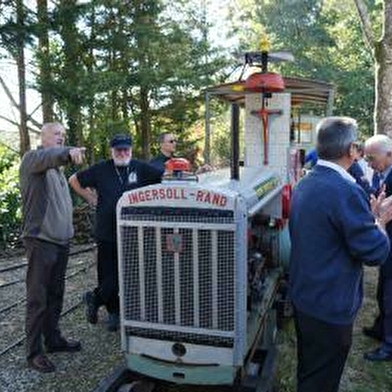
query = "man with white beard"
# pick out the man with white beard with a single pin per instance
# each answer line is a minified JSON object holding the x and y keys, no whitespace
{"x":102,"y":185}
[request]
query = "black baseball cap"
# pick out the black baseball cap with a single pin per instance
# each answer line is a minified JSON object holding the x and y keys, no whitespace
{"x":121,"y":141}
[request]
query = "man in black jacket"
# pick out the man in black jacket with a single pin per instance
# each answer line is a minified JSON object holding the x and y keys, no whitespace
{"x":167,"y":148}
{"x":110,"y":179}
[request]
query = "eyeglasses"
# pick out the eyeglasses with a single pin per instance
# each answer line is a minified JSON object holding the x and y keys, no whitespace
{"x":122,"y":149}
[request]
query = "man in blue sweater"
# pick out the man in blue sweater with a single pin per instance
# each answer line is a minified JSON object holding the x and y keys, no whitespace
{"x":333,"y":233}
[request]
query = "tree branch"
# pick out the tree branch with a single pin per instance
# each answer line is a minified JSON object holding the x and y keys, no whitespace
{"x":34,"y":122}
{"x":36,"y":108}
{"x":366,"y":26}
{"x":8,"y":93}
{"x":15,"y":104}
{"x":17,"y":125}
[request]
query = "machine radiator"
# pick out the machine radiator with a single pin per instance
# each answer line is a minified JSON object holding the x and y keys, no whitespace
{"x":178,"y":274}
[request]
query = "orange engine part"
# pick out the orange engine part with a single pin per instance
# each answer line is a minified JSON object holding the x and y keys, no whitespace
{"x":265,"y":83}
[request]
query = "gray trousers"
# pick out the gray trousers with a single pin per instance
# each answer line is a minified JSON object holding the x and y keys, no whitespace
{"x":47,"y":263}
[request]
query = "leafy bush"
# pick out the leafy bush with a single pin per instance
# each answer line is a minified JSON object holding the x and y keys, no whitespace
{"x":10,"y":201}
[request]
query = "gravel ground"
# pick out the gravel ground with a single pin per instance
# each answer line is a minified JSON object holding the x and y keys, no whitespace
{"x":82,"y":371}
{"x":11,"y":321}
{"x":75,"y":371}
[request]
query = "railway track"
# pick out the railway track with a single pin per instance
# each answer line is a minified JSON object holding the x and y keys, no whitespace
{"x":121,"y":379}
{"x":23,"y":264}
{"x":20,"y":280}
{"x":22,"y":338}
{"x":23,"y":299}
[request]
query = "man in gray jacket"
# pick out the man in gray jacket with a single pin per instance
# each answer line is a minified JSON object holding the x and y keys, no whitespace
{"x":47,"y":229}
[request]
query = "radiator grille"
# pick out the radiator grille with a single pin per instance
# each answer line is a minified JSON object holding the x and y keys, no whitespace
{"x":179,"y":276}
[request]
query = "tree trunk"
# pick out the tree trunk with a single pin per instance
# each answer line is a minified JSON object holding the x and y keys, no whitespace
{"x":91,"y":139}
{"x":144,"y":22}
{"x":383,"y":56}
{"x":145,"y":122}
{"x":24,"y":144}
{"x":365,"y":24}
{"x":113,"y":67}
{"x":44,"y":61}
{"x":72,"y":65}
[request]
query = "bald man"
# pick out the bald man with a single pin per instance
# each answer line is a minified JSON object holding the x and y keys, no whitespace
{"x":47,"y":229}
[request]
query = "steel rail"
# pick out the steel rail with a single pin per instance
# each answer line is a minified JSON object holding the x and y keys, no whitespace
{"x":16,"y":281}
{"x":24,"y":264}
{"x":22,"y":338}
{"x":23,"y":299}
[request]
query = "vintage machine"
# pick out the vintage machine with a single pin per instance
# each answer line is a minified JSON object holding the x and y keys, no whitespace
{"x":202,"y":260}
{"x":200,"y":271}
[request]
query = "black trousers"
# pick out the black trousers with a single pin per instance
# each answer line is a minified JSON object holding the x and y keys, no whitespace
{"x":322,"y":352}
{"x":45,"y":280}
{"x":387,"y":311}
{"x":107,"y":290}
{"x":378,"y":324}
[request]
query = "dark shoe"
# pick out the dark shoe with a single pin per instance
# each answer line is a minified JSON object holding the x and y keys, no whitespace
{"x":113,"y":322}
{"x":41,"y":363}
{"x":372,"y":333}
{"x":378,"y":355}
{"x":92,"y":307}
{"x":64,"y":345}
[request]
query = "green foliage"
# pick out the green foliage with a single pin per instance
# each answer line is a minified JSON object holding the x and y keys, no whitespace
{"x":326,"y":41}
{"x":137,"y":65}
{"x":221,"y":136}
{"x":10,"y":213}
{"x":7,"y":158}
{"x":10,"y":30}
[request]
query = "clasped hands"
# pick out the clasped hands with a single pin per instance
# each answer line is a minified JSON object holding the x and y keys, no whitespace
{"x":382,"y":208}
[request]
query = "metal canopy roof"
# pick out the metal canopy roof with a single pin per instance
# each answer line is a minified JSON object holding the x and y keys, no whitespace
{"x":302,"y":91}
